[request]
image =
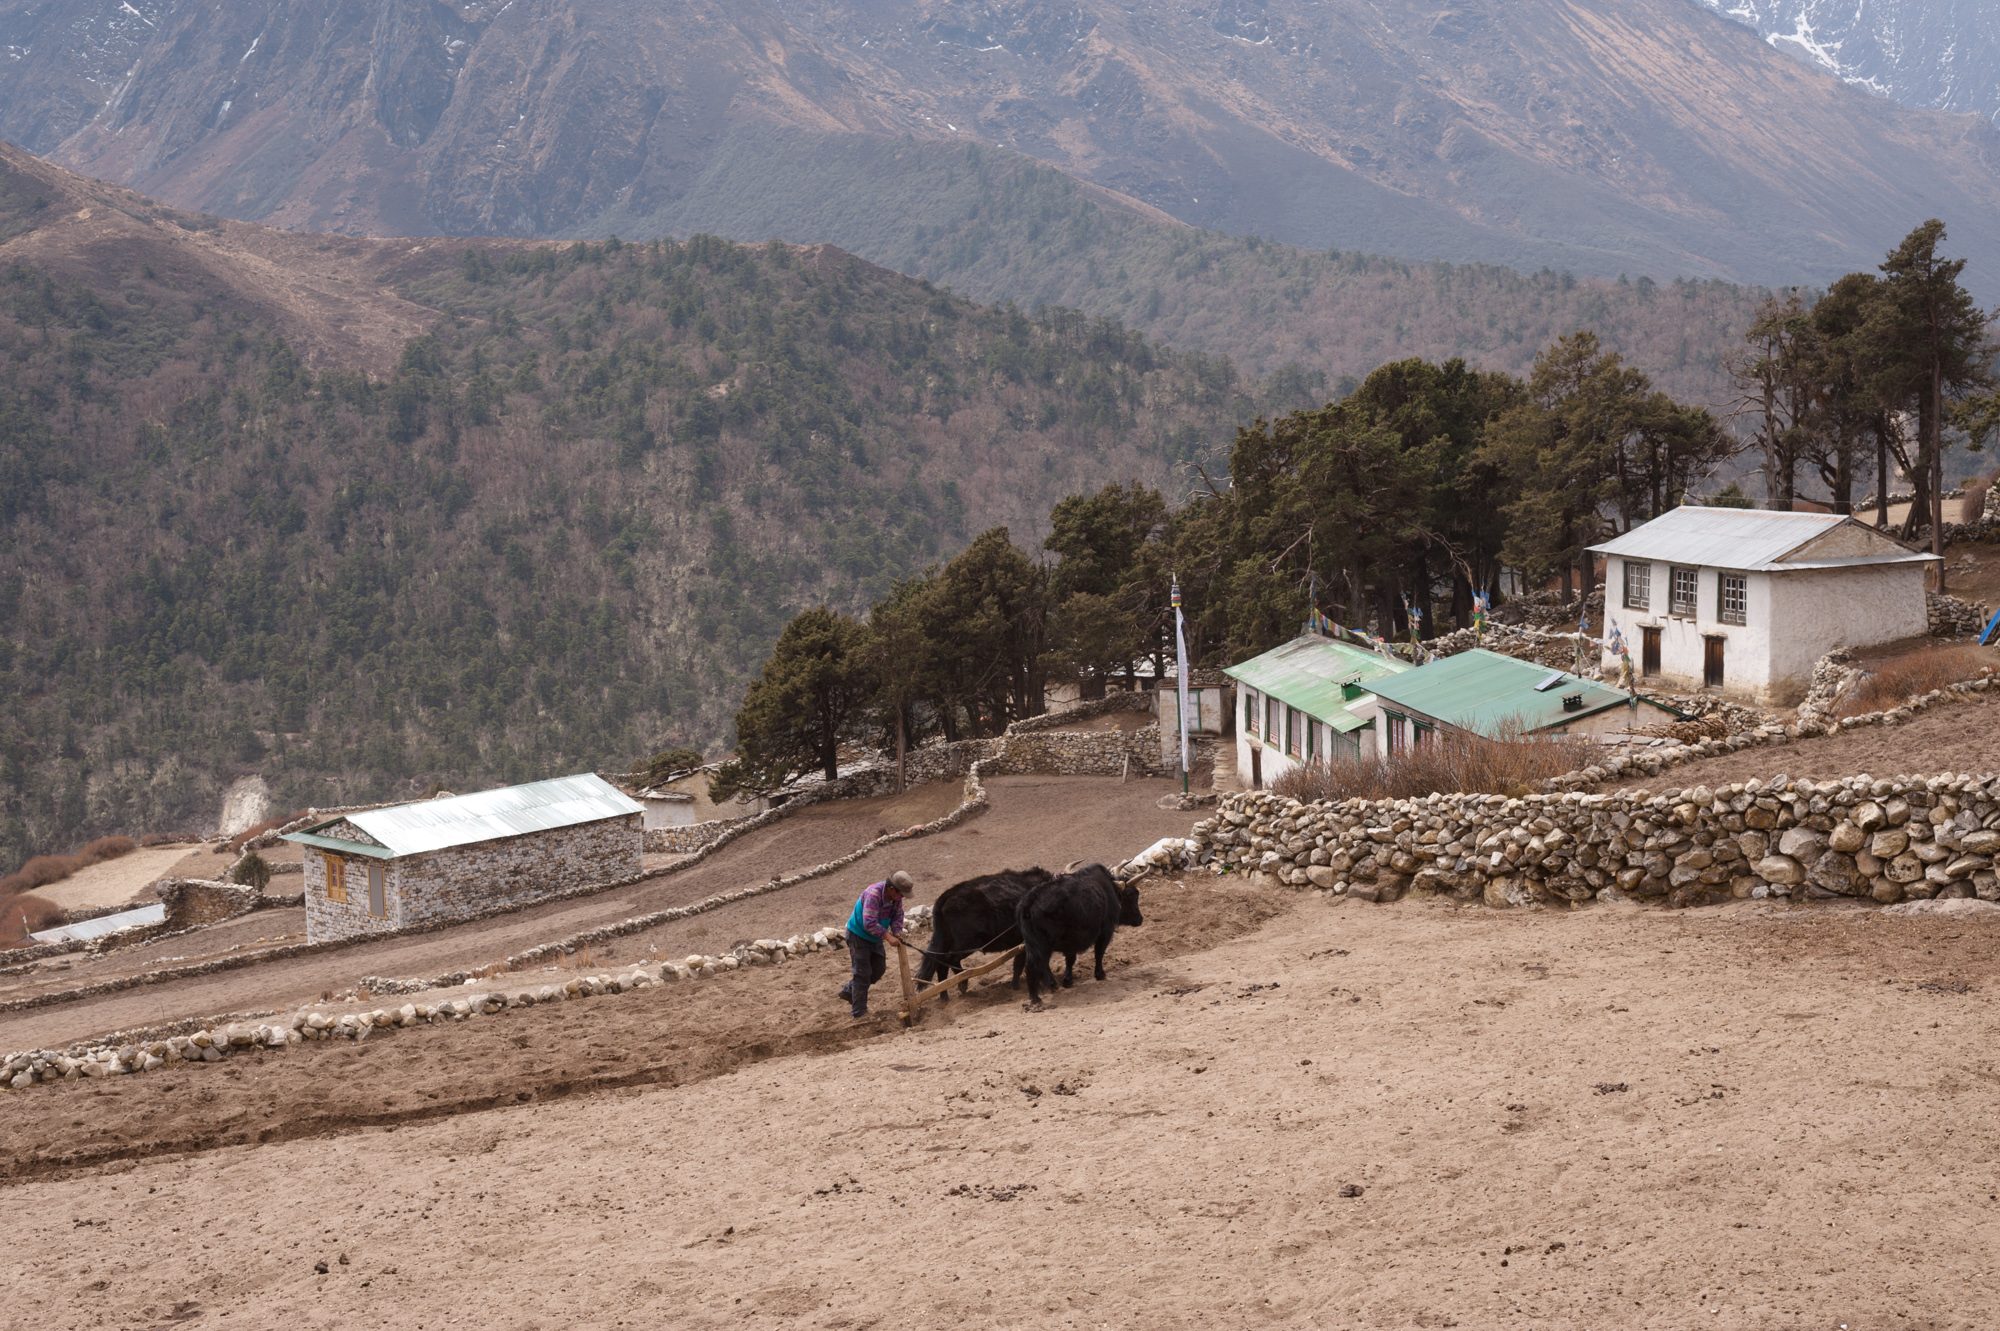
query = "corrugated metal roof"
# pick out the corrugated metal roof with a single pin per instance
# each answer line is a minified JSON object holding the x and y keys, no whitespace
{"x":1482,"y":691}
{"x":103,"y":925}
{"x":1735,"y":538}
{"x":1310,"y":673}
{"x":461,"y":820}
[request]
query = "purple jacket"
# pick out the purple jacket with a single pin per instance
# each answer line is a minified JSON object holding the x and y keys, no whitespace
{"x":876,"y":914}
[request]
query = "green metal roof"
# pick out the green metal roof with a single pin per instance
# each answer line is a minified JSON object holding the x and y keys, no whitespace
{"x":1310,"y":673}
{"x":1482,"y":691}
{"x":336,"y":844}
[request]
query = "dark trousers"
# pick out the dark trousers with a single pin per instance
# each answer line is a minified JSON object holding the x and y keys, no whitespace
{"x":867,"y":959}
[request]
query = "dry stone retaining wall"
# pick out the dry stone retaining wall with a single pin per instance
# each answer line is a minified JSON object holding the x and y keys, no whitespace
{"x":1886,"y":840}
{"x":142,"y":1052}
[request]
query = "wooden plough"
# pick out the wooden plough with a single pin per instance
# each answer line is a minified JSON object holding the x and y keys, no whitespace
{"x":915,"y":997}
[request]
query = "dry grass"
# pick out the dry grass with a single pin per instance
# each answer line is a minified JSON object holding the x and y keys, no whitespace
{"x":23,"y":914}
{"x":45,"y":869}
{"x":1895,"y":682}
{"x":1510,"y":765}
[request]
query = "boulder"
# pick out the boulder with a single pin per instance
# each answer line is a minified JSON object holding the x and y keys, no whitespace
{"x":1803,"y":844}
{"x":1781,"y":870}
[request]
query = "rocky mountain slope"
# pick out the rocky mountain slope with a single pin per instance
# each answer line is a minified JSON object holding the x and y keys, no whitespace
{"x":358,"y":514}
{"x":1643,"y":136}
{"x":1940,"y":54}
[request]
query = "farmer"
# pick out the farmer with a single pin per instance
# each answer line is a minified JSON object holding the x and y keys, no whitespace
{"x":877,"y":917}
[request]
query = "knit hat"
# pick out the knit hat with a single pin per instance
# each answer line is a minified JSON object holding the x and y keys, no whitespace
{"x":901,"y":882}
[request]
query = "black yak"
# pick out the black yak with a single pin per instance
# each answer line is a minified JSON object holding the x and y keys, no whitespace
{"x":977,"y":915}
{"x":1081,"y":908}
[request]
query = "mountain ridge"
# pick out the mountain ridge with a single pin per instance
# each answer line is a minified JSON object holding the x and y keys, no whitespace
{"x":1651,"y":137}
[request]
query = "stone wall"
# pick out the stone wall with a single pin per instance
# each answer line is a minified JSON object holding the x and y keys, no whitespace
{"x":192,"y":902}
{"x":1951,"y":617}
{"x":1885,"y":840}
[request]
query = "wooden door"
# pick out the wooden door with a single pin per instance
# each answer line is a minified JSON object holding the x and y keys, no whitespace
{"x":1649,"y":651}
{"x":1256,"y":766}
{"x":1711,"y":662}
{"x":378,"y":898}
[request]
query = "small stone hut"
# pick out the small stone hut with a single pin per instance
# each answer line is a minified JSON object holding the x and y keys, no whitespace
{"x":461,"y":856}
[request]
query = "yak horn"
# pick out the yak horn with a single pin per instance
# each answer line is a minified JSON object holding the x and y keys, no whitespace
{"x":1072,"y":866}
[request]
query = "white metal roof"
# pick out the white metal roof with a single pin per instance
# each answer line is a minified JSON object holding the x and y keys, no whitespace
{"x":103,"y":925}
{"x":460,"y":820}
{"x":1740,"y":538}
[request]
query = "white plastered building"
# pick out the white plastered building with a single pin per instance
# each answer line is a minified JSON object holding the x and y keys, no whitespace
{"x":1745,"y":602}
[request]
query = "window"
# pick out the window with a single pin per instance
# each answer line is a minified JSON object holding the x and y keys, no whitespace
{"x":336,"y":879}
{"x":1638,"y":586}
{"x":1735,"y":599}
{"x":1686,"y":591}
{"x":1251,"y":705}
{"x":1426,"y":735}
{"x":1399,"y":729}
{"x":1274,"y":720}
{"x":1295,"y":738}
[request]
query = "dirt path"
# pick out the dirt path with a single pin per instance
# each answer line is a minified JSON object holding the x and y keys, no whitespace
{"x":1959,"y":737}
{"x":1352,"y":1116}
{"x":1047,"y":820}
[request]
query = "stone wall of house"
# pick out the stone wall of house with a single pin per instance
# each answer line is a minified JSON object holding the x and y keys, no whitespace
{"x":465,"y":881}
{"x":1883,"y":840}
{"x":327,"y":919}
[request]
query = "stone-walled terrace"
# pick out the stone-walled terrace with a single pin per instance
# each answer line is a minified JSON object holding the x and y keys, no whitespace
{"x":1885,"y":840}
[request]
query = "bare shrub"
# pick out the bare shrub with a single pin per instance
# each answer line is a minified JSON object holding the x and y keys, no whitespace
{"x":1512,"y":764}
{"x":1895,"y":682}
{"x":1972,"y":507}
{"x":43,"y":870}
{"x":23,"y":914}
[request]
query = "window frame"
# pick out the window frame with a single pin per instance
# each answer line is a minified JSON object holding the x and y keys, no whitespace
{"x":1740,"y":616}
{"x":336,"y":877}
{"x":1253,"y":702}
{"x":1676,"y":574}
{"x":1643,"y":599}
{"x":1296,"y":744}
{"x":1399,"y":737}
{"x":1274,"y":722}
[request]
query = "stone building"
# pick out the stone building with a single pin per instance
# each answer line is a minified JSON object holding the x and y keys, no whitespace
{"x":1745,"y":601}
{"x":466,"y":855}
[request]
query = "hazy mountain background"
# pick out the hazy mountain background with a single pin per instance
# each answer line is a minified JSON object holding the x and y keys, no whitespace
{"x":1939,"y":54}
{"x":1650,"y":137}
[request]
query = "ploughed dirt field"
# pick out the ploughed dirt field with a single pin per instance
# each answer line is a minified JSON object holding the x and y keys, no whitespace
{"x":1032,"y":819}
{"x":116,"y":882}
{"x":1277,"y":1112}
{"x":1958,"y":737}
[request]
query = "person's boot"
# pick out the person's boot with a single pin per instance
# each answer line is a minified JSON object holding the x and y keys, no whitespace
{"x":847,"y":992}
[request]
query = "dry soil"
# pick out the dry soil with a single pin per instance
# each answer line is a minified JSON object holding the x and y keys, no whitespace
{"x":1352,"y":1116}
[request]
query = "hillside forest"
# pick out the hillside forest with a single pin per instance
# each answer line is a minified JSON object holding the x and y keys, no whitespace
{"x":555,"y":536}
{"x":1397,"y":503}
